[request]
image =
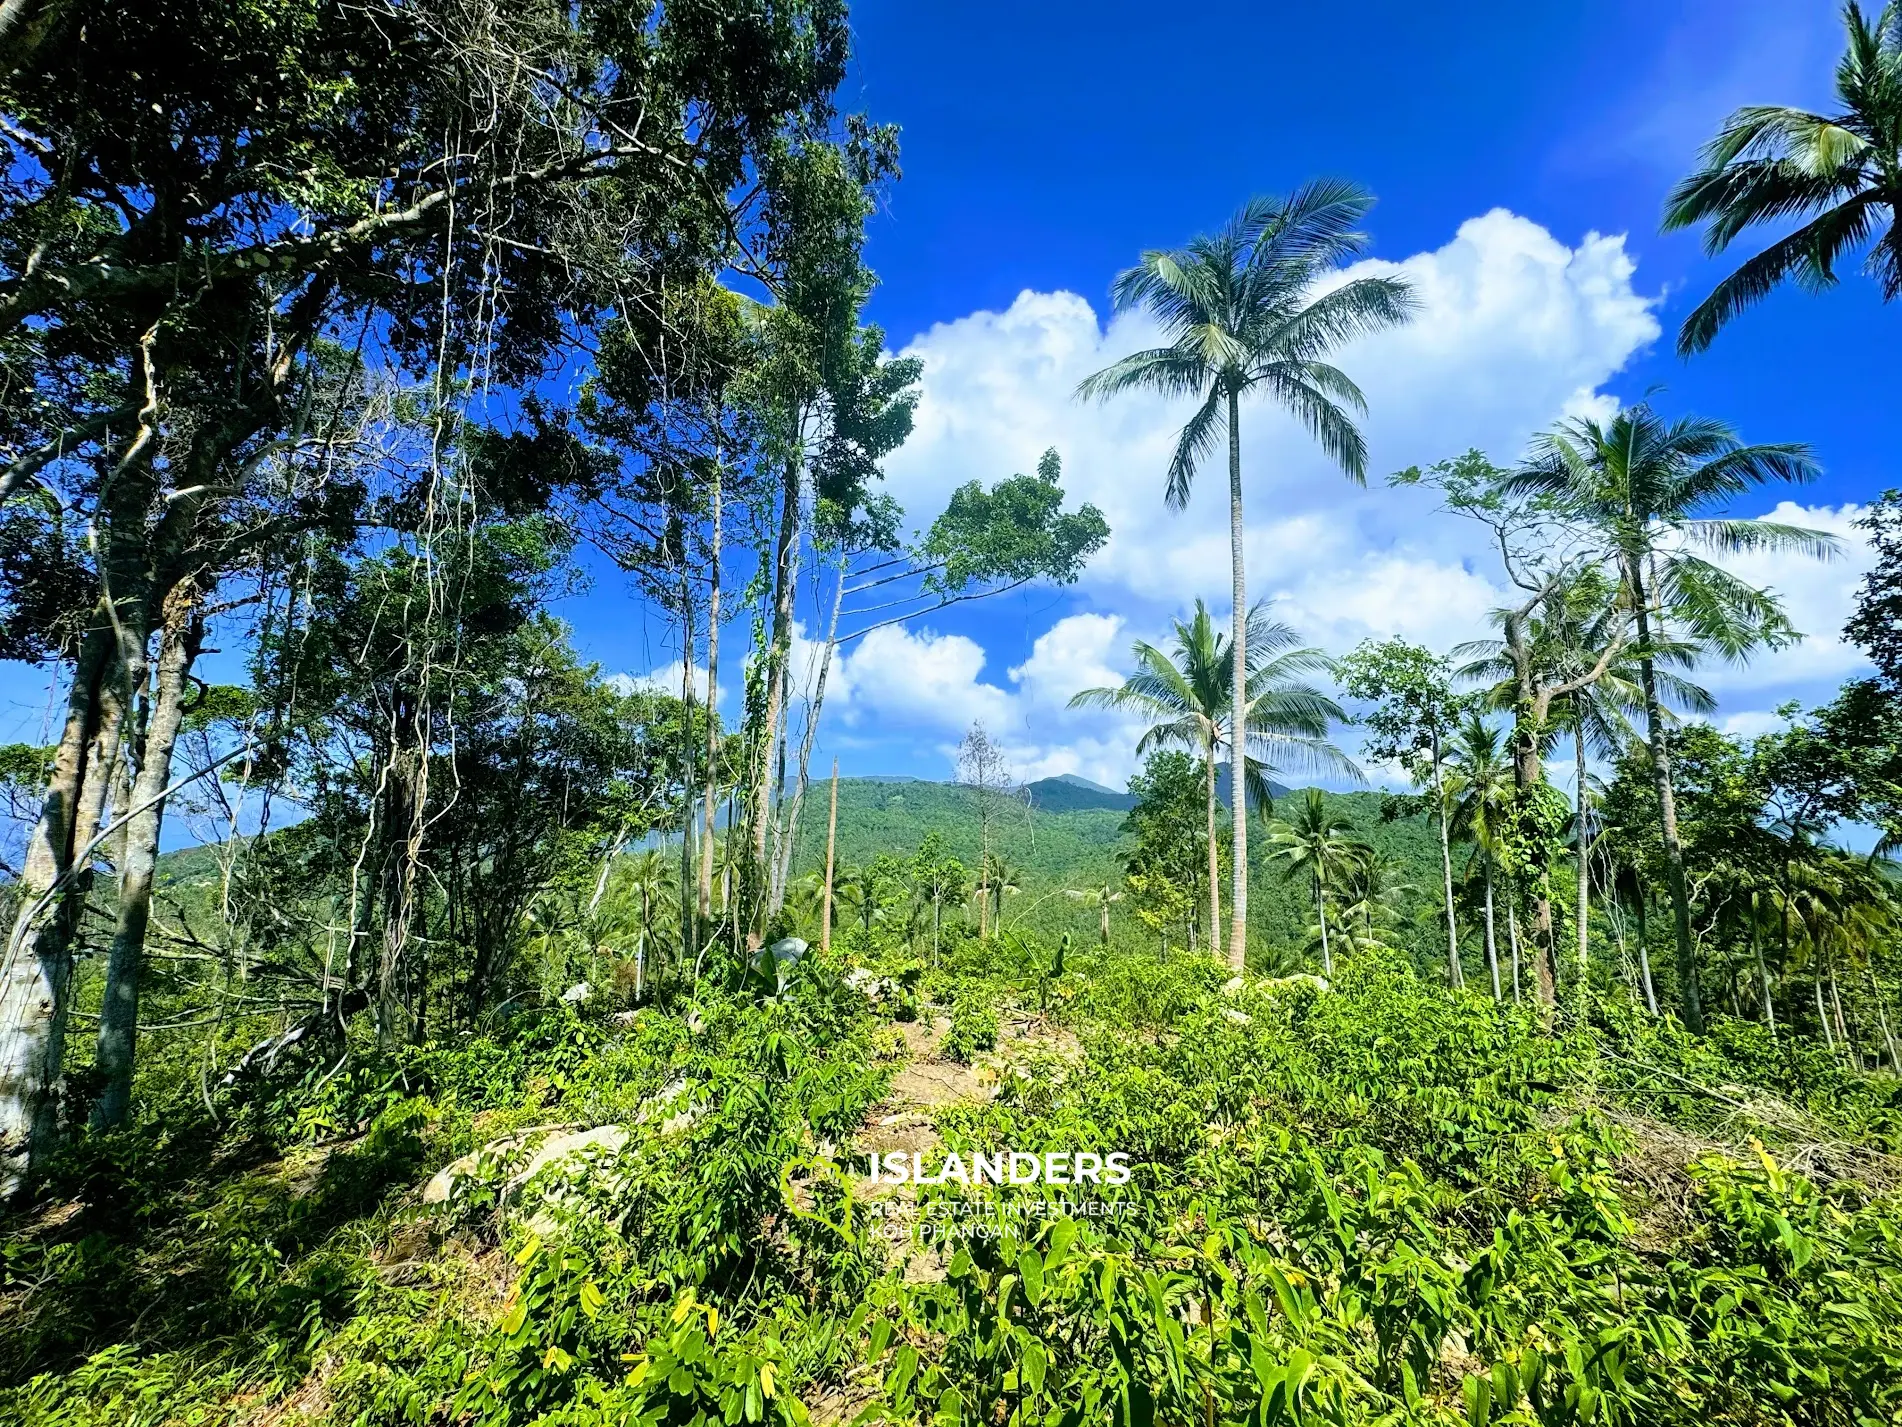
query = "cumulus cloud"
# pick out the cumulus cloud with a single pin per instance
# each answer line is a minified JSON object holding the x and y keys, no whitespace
{"x":1819,"y":597}
{"x":666,"y":679}
{"x":1516,"y":330}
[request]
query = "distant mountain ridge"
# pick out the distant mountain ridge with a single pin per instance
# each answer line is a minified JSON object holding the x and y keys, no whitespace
{"x":1066,"y":793}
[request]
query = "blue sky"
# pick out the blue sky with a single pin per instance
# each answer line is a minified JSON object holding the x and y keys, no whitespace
{"x":1520,"y":155}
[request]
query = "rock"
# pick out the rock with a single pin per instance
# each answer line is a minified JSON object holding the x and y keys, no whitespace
{"x":1240,"y":1018}
{"x":576,"y":994}
{"x":443,"y":1182}
{"x":1232,"y":985}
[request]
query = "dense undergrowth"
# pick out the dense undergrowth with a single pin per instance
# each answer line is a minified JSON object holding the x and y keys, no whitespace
{"x":1377,"y":1202}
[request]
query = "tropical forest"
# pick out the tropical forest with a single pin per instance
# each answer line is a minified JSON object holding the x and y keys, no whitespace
{"x":720,"y":712}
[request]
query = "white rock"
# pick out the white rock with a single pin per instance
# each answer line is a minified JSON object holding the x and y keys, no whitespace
{"x":577,"y":993}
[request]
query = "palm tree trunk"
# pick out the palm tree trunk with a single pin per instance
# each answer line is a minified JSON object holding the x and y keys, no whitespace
{"x":1238,"y":719}
{"x":1320,"y":910}
{"x":705,"y":892}
{"x":1644,"y":952}
{"x":1455,"y":973}
{"x":1584,"y":860}
{"x":1215,"y":861}
{"x":832,"y":837}
{"x":1822,"y":1017}
{"x":119,"y":1013}
{"x":1763,"y":972}
{"x":1882,"y":1020}
{"x":1492,"y":946}
{"x":1659,"y":743}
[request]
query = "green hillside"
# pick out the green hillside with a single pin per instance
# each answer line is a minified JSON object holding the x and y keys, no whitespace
{"x":1081,"y":848}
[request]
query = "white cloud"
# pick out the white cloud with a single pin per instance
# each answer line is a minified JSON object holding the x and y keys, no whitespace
{"x":1515,"y":330}
{"x":1819,"y":597}
{"x":664,"y":680}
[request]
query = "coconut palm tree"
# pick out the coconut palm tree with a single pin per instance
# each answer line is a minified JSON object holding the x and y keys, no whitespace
{"x":1841,"y":173}
{"x":1379,"y":889}
{"x":1319,"y":842}
{"x":1187,"y":698}
{"x":1645,"y":484}
{"x":1244,"y":312}
{"x":1582,"y":624}
{"x":1102,"y":898}
{"x":1480,"y":789}
{"x":1001,"y":880}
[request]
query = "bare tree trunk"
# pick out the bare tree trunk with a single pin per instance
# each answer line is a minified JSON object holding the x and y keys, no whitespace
{"x":785,"y":576}
{"x":182,"y":633}
{"x":1584,"y":860}
{"x":1492,"y":945}
{"x":38,"y":966}
{"x":1238,"y":719}
{"x":1320,"y":910}
{"x":1659,"y":743}
{"x":789,"y":832}
{"x":1644,"y":954}
{"x":713,"y":685}
{"x":832,"y":840}
{"x":1763,"y":972}
{"x":1215,"y":859}
{"x":1455,"y":973}
{"x":689,"y":924}
{"x":1882,"y":1020}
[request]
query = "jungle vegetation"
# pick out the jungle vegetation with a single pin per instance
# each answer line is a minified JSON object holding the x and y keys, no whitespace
{"x":497,"y":1045}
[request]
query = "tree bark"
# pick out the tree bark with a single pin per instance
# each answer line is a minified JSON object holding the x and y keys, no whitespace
{"x":1320,"y":910}
{"x":713,"y":685}
{"x":1455,"y":973}
{"x":1584,"y":861}
{"x":789,"y":832}
{"x":1659,"y":742}
{"x":1238,"y":720}
{"x":1763,"y":972}
{"x":181,"y":635}
{"x":832,"y":839}
{"x":1492,"y":945}
{"x":785,"y":577}
{"x":38,"y":967}
{"x":1215,"y":860}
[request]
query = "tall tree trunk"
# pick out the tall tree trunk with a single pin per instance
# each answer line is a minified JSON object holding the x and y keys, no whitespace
{"x":832,"y":840}
{"x":1455,"y":973}
{"x":789,"y":832}
{"x":38,"y":967}
{"x":1644,"y":953}
{"x":1238,"y":717}
{"x":1658,"y":740}
{"x":785,"y":578}
{"x":182,"y":633}
{"x":1882,"y":1021}
{"x":689,"y":923}
{"x":1492,"y":945}
{"x":1763,"y":972}
{"x":1584,"y":861}
{"x":713,"y":686}
{"x":1320,"y":910}
{"x":1512,"y":941}
{"x":1215,"y":858}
